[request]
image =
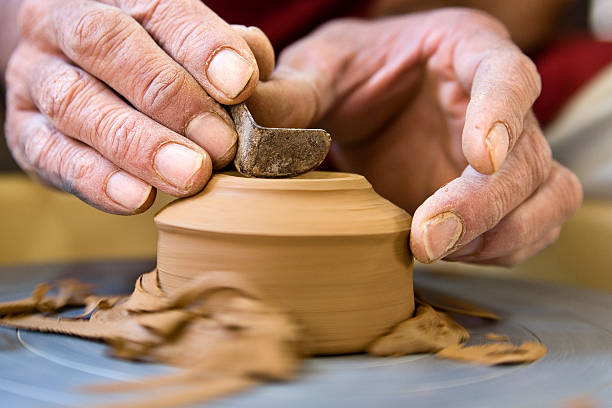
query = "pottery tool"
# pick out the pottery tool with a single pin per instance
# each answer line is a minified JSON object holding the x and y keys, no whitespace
{"x":276,"y":152}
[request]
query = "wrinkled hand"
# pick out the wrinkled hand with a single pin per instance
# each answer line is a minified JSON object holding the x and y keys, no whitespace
{"x":108,"y":99}
{"x":435,"y":110}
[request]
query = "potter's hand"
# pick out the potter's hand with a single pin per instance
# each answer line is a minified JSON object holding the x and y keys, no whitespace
{"x":108,"y":100}
{"x":419,"y":101}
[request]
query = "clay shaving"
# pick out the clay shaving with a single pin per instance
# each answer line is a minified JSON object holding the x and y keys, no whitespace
{"x":450,"y":304}
{"x":495,"y":353}
{"x":427,"y":332}
{"x":497,"y":337}
{"x":222,"y":336}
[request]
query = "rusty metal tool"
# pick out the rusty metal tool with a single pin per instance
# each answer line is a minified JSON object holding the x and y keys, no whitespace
{"x":276,"y":152}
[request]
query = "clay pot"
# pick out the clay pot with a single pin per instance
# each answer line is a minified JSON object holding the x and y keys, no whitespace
{"x":323,"y":246}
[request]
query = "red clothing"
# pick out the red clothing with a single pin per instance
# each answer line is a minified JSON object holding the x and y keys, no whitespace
{"x":285,"y":21}
{"x":565,"y":67}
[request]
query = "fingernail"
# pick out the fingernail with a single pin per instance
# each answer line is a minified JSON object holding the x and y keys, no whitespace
{"x":229,"y":72}
{"x":215,"y":135}
{"x":177,"y":164}
{"x":127,"y":191}
{"x":441,"y":233}
{"x":498,"y":141}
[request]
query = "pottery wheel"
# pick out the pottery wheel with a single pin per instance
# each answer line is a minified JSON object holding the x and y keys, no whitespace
{"x":46,"y":370}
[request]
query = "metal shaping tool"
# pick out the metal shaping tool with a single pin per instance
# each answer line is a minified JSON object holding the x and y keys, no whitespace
{"x":276,"y":152}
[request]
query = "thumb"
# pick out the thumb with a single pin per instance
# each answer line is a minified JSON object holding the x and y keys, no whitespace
{"x":291,"y":99}
{"x":311,"y":75}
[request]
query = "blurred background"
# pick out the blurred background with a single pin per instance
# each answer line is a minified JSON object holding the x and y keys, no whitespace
{"x":571,"y":43}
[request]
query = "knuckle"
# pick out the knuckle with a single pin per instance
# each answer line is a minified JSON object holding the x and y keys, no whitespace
{"x":500,"y":197}
{"x":120,"y":136}
{"x":57,"y":159}
{"x":538,"y":159}
{"x":97,"y":32}
{"x":39,"y":147}
{"x":58,"y":91}
{"x":529,"y":74}
{"x":571,"y":193}
{"x":163,"y":89}
{"x":183,"y":35}
{"x":146,"y":11}
{"x":77,"y":165}
{"x":127,"y":139}
{"x":54,"y":159}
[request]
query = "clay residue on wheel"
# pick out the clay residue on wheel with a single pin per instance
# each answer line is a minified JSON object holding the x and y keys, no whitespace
{"x":427,"y":332}
{"x":495,"y":353}
{"x":223,"y":337}
{"x":219,"y":333}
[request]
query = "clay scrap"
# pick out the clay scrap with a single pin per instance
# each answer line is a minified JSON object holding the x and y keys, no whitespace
{"x":427,"y":332}
{"x":224,"y":338}
{"x":218,"y":333}
{"x":495,"y":353}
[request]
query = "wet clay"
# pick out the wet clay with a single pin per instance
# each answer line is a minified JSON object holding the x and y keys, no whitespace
{"x":427,"y":332}
{"x":495,"y":353}
{"x":323,"y":247}
{"x":224,"y":338}
{"x":254,"y":274}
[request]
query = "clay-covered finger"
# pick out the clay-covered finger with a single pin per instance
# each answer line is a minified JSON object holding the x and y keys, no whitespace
{"x":529,"y":223}
{"x":261,"y":47}
{"x":505,"y":86}
{"x":199,"y":40}
{"x":502,"y":83}
{"x":77,"y":168}
{"x":475,"y":203}
{"x":113,"y":47}
{"x":82,"y":107}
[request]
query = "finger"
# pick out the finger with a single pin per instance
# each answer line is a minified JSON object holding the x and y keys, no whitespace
{"x":80,"y":106}
{"x":76,"y":168}
{"x":49,"y":156}
{"x":474,"y":203}
{"x":529,"y":223}
{"x":199,"y":40}
{"x":275,"y":102}
{"x":526,"y":252}
{"x":116,"y":49}
{"x":261,"y":47}
{"x":503,"y":83}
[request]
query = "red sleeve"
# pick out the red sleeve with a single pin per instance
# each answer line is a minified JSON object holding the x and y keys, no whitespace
{"x":565,"y":67}
{"x":285,"y":21}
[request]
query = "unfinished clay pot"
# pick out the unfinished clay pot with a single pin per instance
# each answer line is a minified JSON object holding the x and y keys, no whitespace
{"x":322,"y":246}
